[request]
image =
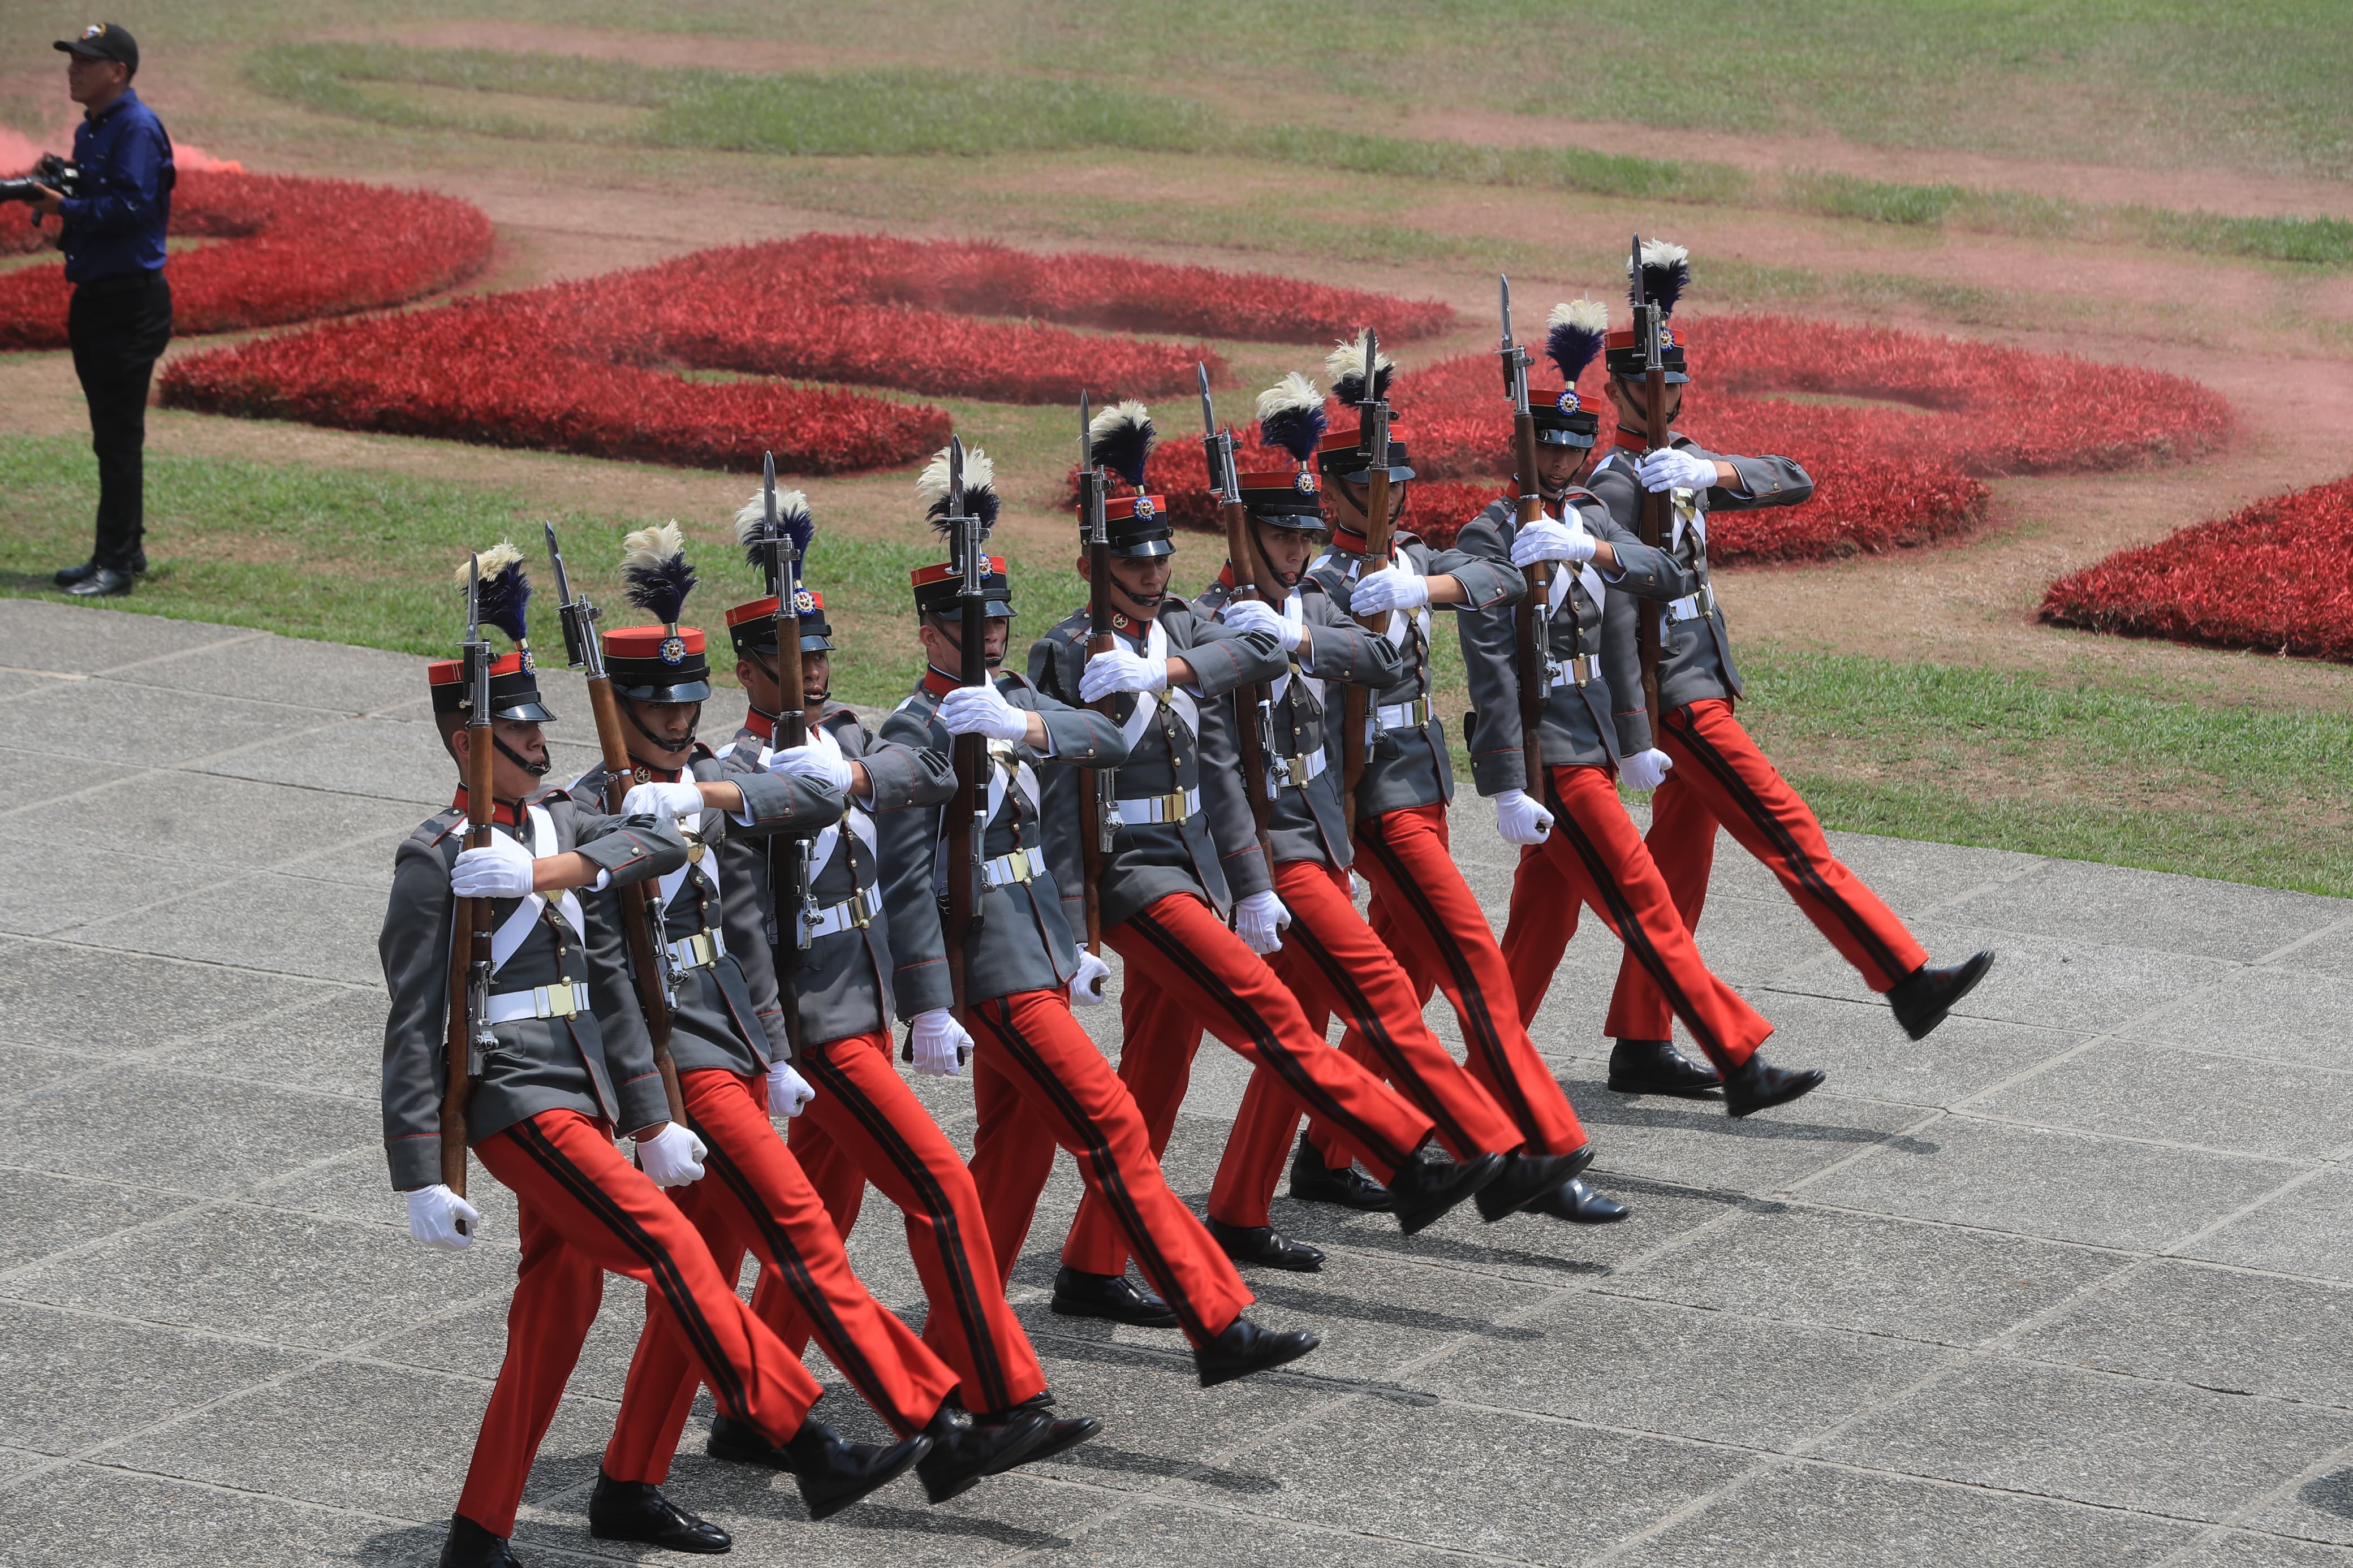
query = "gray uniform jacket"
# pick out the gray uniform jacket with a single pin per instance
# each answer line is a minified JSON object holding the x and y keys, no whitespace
{"x":1592,"y":725}
{"x":1408,"y":766}
{"x":600,"y":1070}
{"x":1696,"y":655}
{"x":1166,"y":755}
{"x":841,"y":980}
{"x":1309,"y":818}
{"x":717,"y":1024}
{"x":1024,"y":942}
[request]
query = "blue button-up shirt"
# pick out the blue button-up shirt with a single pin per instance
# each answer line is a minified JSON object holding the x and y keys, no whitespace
{"x":116,"y":225}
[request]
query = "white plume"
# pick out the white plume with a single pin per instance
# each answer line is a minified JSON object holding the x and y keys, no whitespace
{"x":1586,"y":315}
{"x":494,"y":560}
{"x":1660,"y":253}
{"x":754,"y":517}
{"x":1292,"y":392}
{"x":1347,"y":361}
{"x":932,"y":484}
{"x":649,"y":547}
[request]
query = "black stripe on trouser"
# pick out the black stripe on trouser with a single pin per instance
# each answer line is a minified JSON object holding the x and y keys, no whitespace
{"x":1271,"y":1050}
{"x":726,"y":1383}
{"x":1110,"y":1180}
{"x":1369,"y":1023}
{"x":1479,"y":1025}
{"x":1758,"y":813}
{"x":1630,"y":930}
{"x":971,"y":1308}
{"x":794,"y":1271}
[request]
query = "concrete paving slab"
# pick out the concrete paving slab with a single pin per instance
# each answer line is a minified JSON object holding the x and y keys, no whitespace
{"x":2250,"y":1551}
{"x":332,"y":1046}
{"x":2319,"y":1509}
{"x":1868,"y":1056}
{"x":2286,"y":1112}
{"x":113,"y":722}
{"x":1695,"y":1140}
{"x":2066,"y":899}
{"x":394,"y":758}
{"x":2283,"y":1011}
{"x":106,"y":1002}
{"x":79,"y":641}
{"x":33,"y":902}
{"x":246,"y":922}
{"x":87,"y":1514}
{"x":223,"y":824}
{"x":289,"y":669}
{"x":1163,"y":1533}
{"x":2306,"y":1230}
{"x":2220,"y":1329}
{"x":48,"y":1213}
{"x":1530,"y":1248}
{"x":1916,"y":879}
{"x":186,"y":1133}
{"x":24,"y":1068}
{"x":98,"y":1379}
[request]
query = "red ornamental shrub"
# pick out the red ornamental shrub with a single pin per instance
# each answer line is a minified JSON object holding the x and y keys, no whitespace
{"x":2289,"y":586}
{"x":281,"y":249}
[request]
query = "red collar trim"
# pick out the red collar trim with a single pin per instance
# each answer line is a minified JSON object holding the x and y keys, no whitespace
{"x":760,"y":724}
{"x":1226,"y":577}
{"x":509,"y":812}
{"x":1627,"y":440}
{"x":939,"y":683}
{"x":1347,"y":540}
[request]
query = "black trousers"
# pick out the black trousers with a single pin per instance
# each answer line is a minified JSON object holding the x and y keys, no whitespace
{"x":118,"y":327}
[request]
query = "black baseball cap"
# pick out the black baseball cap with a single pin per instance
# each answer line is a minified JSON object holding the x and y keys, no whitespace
{"x":104,"y":41}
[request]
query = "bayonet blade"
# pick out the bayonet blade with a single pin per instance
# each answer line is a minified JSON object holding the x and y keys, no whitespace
{"x":956,"y":476}
{"x":1086,"y":433}
{"x":555,"y":565}
{"x":1208,"y":419}
{"x":1634,"y":271}
{"x":473,"y":600}
{"x":1503,"y":288}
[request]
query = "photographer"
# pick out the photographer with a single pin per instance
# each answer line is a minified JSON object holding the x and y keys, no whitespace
{"x":121,"y":317}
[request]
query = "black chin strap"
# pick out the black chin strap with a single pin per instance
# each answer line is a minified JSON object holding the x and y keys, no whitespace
{"x":537,"y":770}
{"x":661,"y":742}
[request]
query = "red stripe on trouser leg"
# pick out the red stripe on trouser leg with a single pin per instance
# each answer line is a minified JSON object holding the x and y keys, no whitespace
{"x":1721,"y":778}
{"x":1595,"y":851}
{"x":755,"y":1198}
{"x":1435,"y":920}
{"x":1536,"y":932}
{"x":1333,"y":964}
{"x":865,"y":1124}
{"x":1034,"y":1054}
{"x":1012,"y":1153}
{"x":1158,"y":1038}
{"x":585,"y":1210}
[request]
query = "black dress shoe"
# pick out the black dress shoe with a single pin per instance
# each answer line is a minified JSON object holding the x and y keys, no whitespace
{"x":1655,"y":1066}
{"x":1579,"y":1205}
{"x":831,"y":1472}
{"x":1922,"y":998}
{"x":1112,"y":1297}
{"x":963,"y":1450}
{"x":636,"y":1510}
{"x":1265,"y":1244}
{"x":67,"y":576}
{"x":469,"y":1545}
{"x":1527,"y":1177}
{"x":1429,"y":1183}
{"x":1244,"y":1348}
{"x":1062,"y":1435}
{"x":1313,"y":1182}
{"x":103,"y":582}
{"x":1757,"y":1085}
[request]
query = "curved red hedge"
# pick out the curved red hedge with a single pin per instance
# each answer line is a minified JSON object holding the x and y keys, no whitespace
{"x":2288,"y":587}
{"x":283,"y":250}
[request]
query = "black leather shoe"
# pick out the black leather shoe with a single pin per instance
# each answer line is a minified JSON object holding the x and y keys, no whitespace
{"x":1579,"y":1205}
{"x":1922,"y":998}
{"x":103,"y":582}
{"x":636,"y":1510}
{"x":1265,"y":1244}
{"x":1655,"y":1066}
{"x":469,"y":1545}
{"x":965,"y":1450}
{"x":67,"y":576}
{"x":1245,"y":1348}
{"x":1527,"y":1177}
{"x":1427,"y":1184}
{"x":1112,"y":1297}
{"x":832,"y":1473}
{"x":1061,"y":1436}
{"x":1757,"y":1085}
{"x":1313,"y":1182}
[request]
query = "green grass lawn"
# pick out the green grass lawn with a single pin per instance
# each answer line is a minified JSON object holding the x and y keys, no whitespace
{"x":2128,"y":774}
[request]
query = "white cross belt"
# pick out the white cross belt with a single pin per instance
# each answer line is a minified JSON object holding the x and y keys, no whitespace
{"x":539,"y":1002}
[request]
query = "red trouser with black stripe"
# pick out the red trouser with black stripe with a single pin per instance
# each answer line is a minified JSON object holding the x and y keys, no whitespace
{"x":1720,"y":778}
{"x":867,"y":1124}
{"x":1037,"y":1081}
{"x":754,"y":1197}
{"x":1429,"y":918}
{"x":1593,"y":857}
{"x":1335,"y":964}
{"x":583,"y":1210}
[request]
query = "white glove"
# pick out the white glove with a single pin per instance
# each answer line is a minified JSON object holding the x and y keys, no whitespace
{"x":504,"y":870}
{"x":1258,"y":921}
{"x":789,"y":1092}
{"x":1549,"y":539}
{"x":1087,"y":985}
{"x":671,"y":1157}
{"x":1521,"y":820}
{"x":438,"y":1217}
{"x":1116,"y":670}
{"x":807,"y":762}
{"x":1672,"y":468}
{"x":1645,"y":770}
{"x":938,"y":1043}
{"x":1395,"y":589}
{"x":654,"y":798}
{"x":983,"y":711}
{"x":1252,"y":615}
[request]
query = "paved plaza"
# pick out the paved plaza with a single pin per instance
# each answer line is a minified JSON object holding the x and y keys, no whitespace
{"x":2070,"y":1284}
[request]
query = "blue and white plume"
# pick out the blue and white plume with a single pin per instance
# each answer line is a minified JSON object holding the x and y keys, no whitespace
{"x":654,"y":572}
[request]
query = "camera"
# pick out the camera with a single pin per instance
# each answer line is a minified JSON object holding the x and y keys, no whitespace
{"x":50,"y":173}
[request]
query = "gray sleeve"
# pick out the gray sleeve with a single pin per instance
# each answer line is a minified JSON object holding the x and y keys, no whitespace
{"x":1644,"y":571}
{"x":1346,"y":652}
{"x":1765,"y":481}
{"x":789,"y":803}
{"x":1226,"y":798}
{"x":1489,"y":638}
{"x":1622,"y":666}
{"x":1485,"y":583}
{"x":414,"y":950}
{"x":1223,"y":658}
{"x":632,"y":848}
{"x":906,"y":844}
{"x":629,"y":1049}
{"x":904,"y":776}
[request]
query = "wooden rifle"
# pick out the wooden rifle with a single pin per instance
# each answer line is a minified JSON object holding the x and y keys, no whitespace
{"x":967,"y":825}
{"x":469,"y":1037}
{"x":1099,"y":823}
{"x":644,"y":926}
{"x":1532,"y":650}
{"x":1254,"y":707}
{"x":1653,"y":531}
{"x":1373,"y":441}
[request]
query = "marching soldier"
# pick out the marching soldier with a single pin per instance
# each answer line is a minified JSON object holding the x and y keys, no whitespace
{"x":825,"y":932}
{"x":1037,"y":1079}
{"x":1718,"y":777}
{"x":1582,"y":844}
{"x":1165,"y":891}
{"x":548,"y":1097}
{"x":1328,"y":956}
{"x":732,"y":1079}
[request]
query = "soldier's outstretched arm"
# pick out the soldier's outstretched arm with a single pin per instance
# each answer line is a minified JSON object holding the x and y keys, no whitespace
{"x":907,"y":845}
{"x":1642,"y":571}
{"x":1757,"y":481}
{"x":1337,"y":648}
{"x":414,"y":950}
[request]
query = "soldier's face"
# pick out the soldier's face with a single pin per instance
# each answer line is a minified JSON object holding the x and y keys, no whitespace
{"x":1558,"y":468}
{"x":1142,"y":581}
{"x":1346,"y":499}
{"x":944,"y":649}
{"x":513,"y":738}
{"x":817,"y":677}
{"x":1629,"y":399}
{"x":668,"y":724}
{"x":1287,"y":550}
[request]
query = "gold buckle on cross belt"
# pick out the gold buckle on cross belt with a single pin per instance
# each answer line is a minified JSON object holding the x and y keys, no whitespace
{"x":1012,"y":870}
{"x":700,"y":950}
{"x":1137,"y":811}
{"x":1575,"y":671}
{"x":1692,"y":607}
